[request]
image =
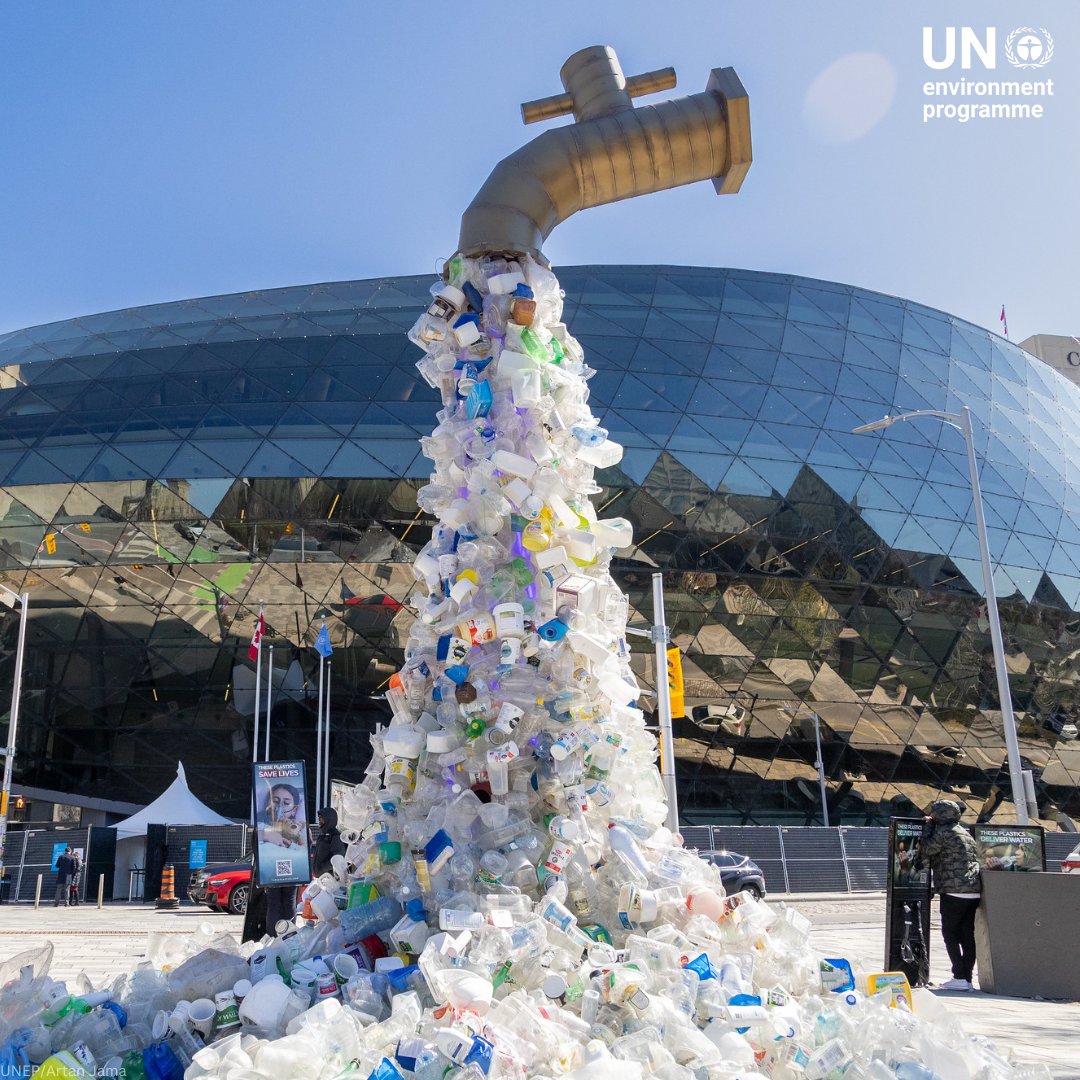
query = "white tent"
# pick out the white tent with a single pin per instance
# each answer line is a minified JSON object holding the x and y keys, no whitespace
{"x":174,"y":806}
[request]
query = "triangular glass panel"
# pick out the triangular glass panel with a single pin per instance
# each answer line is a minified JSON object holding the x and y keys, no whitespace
{"x":742,"y":480}
{"x":191,"y":462}
{"x":881,"y":318}
{"x":743,"y":297}
{"x":637,"y":463}
{"x":823,"y":307}
{"x":710,"y":468}
{"x":747,"y":332}
{"x":206,"y":495}
{"x":352,"y":460}
{"x":270,"y":460}
{"x":229,"y":452}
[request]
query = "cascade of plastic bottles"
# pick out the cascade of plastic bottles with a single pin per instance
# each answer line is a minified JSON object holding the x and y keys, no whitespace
{"x":510,"y":903}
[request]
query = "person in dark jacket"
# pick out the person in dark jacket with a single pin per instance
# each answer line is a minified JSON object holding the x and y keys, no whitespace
{"x":65,"y":870}
{"x":950,"y":851}
{"x":328,"y":842}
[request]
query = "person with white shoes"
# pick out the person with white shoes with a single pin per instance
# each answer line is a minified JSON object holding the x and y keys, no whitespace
{"x":950,"y":850}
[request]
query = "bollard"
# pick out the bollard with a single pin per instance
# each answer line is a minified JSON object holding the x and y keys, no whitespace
{"x":167,"y":900}
{"x":100,"y":891}
{"x":37,"y":893}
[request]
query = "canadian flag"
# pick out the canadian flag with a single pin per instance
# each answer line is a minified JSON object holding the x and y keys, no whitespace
{"x":256,"y":638}
{"x":1004,"y":321}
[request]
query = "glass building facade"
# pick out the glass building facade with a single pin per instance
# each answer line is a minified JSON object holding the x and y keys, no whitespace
{"x":165,"y":470}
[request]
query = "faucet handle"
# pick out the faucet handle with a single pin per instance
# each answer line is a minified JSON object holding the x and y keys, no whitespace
{"x":650,"y":82}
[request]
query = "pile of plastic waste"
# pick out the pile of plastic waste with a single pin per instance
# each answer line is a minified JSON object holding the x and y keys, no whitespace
{"x":510,"y":903}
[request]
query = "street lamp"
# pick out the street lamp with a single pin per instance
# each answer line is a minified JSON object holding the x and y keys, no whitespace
{"x":819,"y":762}
{"x":10,"y":598}
{"x":962,"y":422}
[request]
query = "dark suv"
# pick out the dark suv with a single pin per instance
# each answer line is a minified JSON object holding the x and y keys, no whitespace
{"x":737,"y":872}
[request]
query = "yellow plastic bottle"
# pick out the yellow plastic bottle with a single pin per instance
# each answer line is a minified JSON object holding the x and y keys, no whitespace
{"x":536,"y":536}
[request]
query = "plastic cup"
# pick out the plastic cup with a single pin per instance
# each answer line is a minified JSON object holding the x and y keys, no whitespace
{"x":160,"y":1027}
{"x":201,"y":1015}
{"x":345,"y":967}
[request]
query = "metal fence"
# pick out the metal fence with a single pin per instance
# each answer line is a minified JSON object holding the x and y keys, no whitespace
{"x":30,"y":852}
{"x":817,"y":859}
{"x":224,"y":844}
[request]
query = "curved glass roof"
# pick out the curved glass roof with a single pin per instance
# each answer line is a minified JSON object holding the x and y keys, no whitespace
{"x":743,"y":379}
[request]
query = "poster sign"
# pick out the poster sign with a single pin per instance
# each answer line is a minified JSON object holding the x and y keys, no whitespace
{"x":1010,"y":847}
{"x":906,"y":865}
{"x":907,"y":899}
{"x":281,"y":850}
{"x":57,"y":851}
{"x":196,"y":854}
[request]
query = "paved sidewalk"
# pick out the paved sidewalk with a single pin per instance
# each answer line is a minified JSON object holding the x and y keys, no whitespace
{"x":1033,"y":1031}
{"x":109,"y":942}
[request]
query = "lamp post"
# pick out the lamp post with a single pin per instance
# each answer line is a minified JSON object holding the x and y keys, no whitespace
{"x":819,"y":762}
{"x":962,"y":422}
{"x":10,"y":598}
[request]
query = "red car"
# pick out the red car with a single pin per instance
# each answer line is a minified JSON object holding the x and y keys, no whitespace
{"x":222,"y":888}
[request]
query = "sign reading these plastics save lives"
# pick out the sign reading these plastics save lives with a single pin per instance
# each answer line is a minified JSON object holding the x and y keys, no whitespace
{"x":280,"y":797}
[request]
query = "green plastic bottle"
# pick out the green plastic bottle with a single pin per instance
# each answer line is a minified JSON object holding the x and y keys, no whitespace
{"x":535,"y":347}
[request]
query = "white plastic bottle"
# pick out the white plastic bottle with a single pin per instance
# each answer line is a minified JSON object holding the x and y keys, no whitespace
{"x":402,"y":747}
{"x":626,"y":848}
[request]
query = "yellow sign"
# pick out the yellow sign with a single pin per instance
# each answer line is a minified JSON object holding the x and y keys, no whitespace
{"x":50,"y":543}
{"x":3,"y":803}
{"x":675,"y":683}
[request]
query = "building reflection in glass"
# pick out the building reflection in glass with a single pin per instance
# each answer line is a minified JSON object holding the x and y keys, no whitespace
{"x":164,"y":470}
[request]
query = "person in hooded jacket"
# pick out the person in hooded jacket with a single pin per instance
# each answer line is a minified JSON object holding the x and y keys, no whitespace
{"x":949,"y":849}
{"x":328,"y":842}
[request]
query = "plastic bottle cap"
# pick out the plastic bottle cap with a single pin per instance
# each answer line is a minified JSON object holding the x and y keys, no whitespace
{"x":554,"y":986}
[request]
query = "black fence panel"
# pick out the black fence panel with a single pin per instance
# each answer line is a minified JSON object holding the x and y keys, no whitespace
{"x":761,"y":843}
{"x":1058,"y":845}
{"x":38,"y":858}
{"x":224,"y":844}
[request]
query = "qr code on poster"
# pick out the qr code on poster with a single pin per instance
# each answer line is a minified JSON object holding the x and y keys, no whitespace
{"x":284,"y":867}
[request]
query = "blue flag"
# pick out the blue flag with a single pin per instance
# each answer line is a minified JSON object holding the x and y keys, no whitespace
{"x":322,"y":643}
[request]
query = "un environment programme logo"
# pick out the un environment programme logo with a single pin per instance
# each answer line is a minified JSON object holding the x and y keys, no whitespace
{"x":1027,"y":47}
{"x":985,"y":97}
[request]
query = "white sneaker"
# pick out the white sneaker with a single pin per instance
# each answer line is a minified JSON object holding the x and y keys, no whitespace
{"x":957,"y":984}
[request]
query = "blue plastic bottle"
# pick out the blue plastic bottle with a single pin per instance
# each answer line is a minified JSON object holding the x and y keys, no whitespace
{"x":372,"y":918}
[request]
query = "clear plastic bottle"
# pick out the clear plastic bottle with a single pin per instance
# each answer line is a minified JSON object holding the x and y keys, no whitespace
{"x":625,"y":846}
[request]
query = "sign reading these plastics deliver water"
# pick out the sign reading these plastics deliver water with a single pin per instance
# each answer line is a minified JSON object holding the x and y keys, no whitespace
{"x":1009,"y":847}
{"x":281,"y":850}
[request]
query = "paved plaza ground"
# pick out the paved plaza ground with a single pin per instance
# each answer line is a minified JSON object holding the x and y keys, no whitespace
{"x":105,"y":943}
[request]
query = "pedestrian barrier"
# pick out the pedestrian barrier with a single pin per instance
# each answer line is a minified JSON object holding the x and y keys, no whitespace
{"x":848,"y":858}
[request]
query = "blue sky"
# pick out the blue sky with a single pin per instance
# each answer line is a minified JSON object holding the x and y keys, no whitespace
{"x":154,"y":152}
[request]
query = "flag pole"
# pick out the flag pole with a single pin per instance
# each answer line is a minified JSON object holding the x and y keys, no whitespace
{"x":326,"y":753}
{"x":269,"y":695}
{"x":318,"y":741}
{"x":258,"y":684}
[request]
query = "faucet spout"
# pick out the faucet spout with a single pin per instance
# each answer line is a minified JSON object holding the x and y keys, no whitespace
{"x":613,"y":151}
